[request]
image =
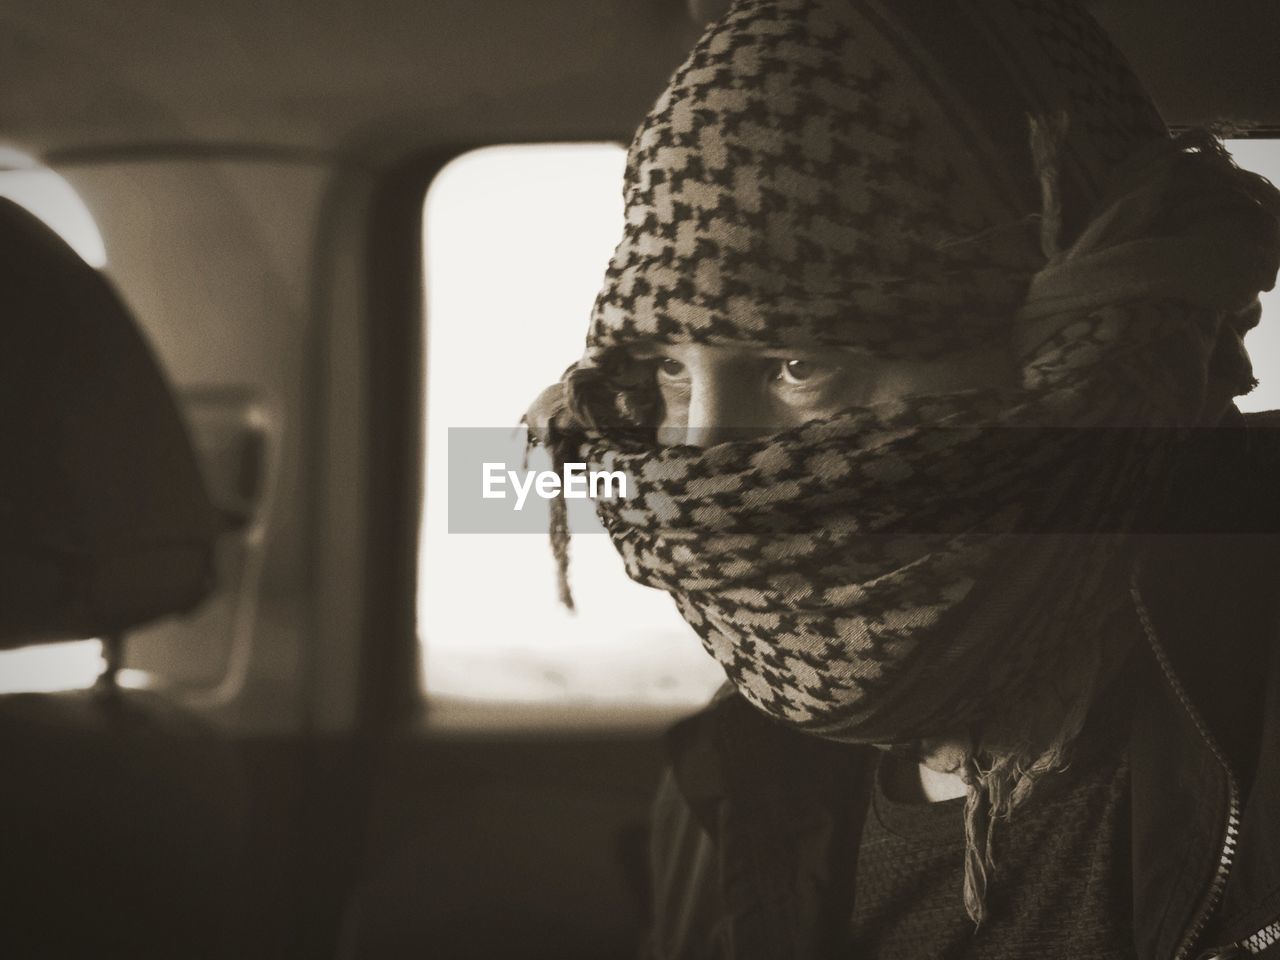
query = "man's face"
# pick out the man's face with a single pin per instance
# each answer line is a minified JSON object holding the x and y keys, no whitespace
{"x":715,"y":393}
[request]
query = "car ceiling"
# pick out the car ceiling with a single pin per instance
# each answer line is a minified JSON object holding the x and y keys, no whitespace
{"x":382,"y":78}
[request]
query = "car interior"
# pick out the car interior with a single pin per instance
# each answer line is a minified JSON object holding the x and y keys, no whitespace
{"x":260,"y":263}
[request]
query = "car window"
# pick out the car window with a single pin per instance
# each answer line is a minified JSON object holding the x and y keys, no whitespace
{"x":48,"y":196}
{"x":1262,"y":155}
{"x":516,"y":239}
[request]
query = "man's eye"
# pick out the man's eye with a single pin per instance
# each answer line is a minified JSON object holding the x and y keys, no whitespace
{"x":670,"y":368}
{"x":798,"y":371}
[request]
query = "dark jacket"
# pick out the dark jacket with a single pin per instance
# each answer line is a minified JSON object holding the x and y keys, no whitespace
{"x":755,"y":828}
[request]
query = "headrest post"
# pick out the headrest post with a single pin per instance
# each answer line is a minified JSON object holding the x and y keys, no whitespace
{"x":113,"y":648}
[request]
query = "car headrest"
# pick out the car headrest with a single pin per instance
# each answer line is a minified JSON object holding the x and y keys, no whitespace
{"x":104,"y":520}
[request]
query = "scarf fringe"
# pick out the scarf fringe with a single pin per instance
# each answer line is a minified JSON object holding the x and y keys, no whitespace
{"x":997,"y":790}
{"x":1048,"y":133}
{"x":552,"y":422}
{"x":560,"y":547}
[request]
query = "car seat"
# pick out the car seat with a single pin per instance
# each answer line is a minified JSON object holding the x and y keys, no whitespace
{"x":121,"y":814}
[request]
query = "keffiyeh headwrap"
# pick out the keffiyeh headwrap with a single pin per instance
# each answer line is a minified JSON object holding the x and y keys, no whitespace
{"x":914,"y":180}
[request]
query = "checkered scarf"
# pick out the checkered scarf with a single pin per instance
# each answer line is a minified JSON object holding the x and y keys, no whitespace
{"x":945,"y":571}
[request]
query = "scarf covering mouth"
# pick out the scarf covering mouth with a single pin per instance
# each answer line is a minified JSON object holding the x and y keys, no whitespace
{"x":946,"y":571}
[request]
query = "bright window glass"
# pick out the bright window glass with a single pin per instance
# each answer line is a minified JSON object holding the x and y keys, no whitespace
{"x":1263,"y":342}
{"x":516,"y":240}
{"x":49,"y":197}
{"x":49,"y":667}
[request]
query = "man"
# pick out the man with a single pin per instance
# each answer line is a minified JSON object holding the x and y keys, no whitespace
{"x":916,"y":315}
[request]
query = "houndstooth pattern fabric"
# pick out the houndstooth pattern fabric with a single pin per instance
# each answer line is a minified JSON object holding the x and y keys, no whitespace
{"x":842,"y":572}
{"x":801,"y":180}
{"x":938,"y":566}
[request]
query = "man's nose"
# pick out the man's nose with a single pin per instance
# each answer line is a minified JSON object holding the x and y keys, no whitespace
{"x":722,"y":409}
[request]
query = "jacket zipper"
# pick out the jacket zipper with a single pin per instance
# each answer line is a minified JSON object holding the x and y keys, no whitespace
{"x":1213,"y":895}
{"x":1266,"y":937}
